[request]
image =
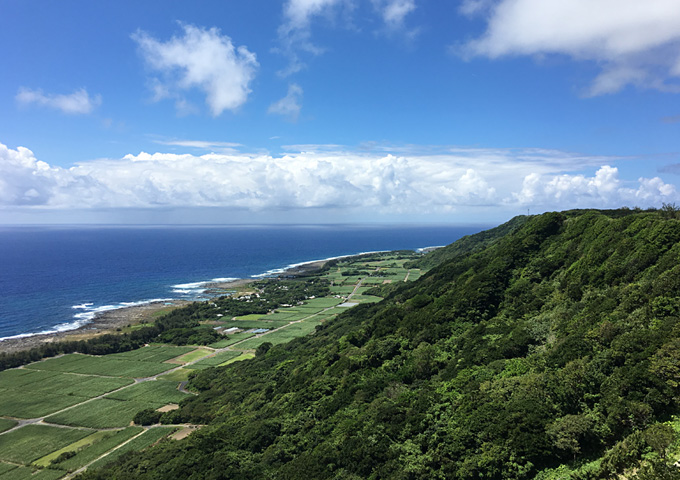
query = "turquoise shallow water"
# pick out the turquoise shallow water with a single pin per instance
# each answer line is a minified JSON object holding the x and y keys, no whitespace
{"x":56,"y":278}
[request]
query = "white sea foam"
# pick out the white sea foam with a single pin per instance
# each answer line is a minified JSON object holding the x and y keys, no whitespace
{"x":276,"y":271}
{"x":196,"y":289}
{"x":83,"y":306}
{"x":85,"y":317}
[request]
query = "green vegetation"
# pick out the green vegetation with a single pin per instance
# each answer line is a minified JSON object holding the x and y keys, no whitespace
{"x":30,"y":473}
{"x":6,"y":424}
{"x":32,"y":442}
{"x":69,"y":451}
{"x":139,"y":443}
{"x":109,"y":440}
{"x":193,"y":355}
{"x":215,"y":360}
{"x":546,"y":348}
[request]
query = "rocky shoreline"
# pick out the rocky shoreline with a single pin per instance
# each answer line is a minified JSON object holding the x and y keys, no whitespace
{"x":113,"y":321}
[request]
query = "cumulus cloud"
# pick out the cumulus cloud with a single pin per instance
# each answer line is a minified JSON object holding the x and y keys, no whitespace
{"x":290,"y":105}
{"x":326,"y":178}
{"x":635,"y":43}
{"x":394,"y":12}
{"x":201,"y":59}
{"x":77,"y":103}
{"x":604,"y":189}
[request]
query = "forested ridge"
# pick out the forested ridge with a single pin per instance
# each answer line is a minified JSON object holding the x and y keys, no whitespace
{"x":547,"y":349}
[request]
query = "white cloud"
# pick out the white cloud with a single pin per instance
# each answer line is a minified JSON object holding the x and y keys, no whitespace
{"x":295,"y":31}
{"x":290,"y":105}
{"x":605,"y":189}
{"x":394,"y":12}
{"x":327,"y":177}
{"x":223,"y":147}
{"x":202,"y":59}
{"x":635,"y":42}
{"x":77,"y":103}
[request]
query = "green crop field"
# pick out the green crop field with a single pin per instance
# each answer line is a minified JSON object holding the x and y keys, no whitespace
{"x":57,"y":382}
{"x":341,"y":290}
{"x":73,"y":447}
{"x":100,"y":413}
{"x":152,"y":353}
{"x":155,"y":393}
{"x":247,"y":324}
{"x":366,"y":299}
{"x":141,"y":442}
{"x":214,"y":361}
{"x":233,"y":338}
{"x":240,"y":358}
{"x":178,"y":375}
{"x":6,"y":467}
{"x":6,"y":424}
{"x":30,"y":473}
{"x":191,"y":356}
{"x":27,"y":404}
{"x":110,"y":440}
{"x":107,"y":366}
{"x":32,"y":442}
{"x":280,"y":336}
{"x":251,"y":316}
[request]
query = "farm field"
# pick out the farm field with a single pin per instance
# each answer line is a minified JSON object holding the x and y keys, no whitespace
{"x":108,"y":441}
{"x":146,"y":439}
{"x":214,"y":361}
{"x":6,"y":424}
{"x":88,"y":402}
{"x":233,"y":338}
{"x":32,"y":442}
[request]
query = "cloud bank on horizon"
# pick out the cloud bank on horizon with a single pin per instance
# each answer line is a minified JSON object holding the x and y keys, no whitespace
{"x":430,"y":185}
{"x":318,"y":71}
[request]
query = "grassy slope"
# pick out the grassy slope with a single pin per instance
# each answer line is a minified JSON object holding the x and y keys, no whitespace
{"x":558,"y":340}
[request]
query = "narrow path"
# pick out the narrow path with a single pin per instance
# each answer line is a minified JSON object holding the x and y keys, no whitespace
{"x":84,"y":467}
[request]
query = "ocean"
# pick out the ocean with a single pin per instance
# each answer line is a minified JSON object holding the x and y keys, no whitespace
{"x":56,"y":278}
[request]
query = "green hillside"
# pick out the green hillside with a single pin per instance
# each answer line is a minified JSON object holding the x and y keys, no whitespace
{"x":548,"y":349}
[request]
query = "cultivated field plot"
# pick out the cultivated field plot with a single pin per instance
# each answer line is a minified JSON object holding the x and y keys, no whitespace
{"x":179,"y":375}
{"x":146,"y":439}
{"x":373,"y":281}
{"x":233,"y":338}
{"x":28,"y":393}
{"x":155,"y":393}
{"x":110,"y":439}
{"x":106,"y":366}
{"x":350,"y":280}
{"x":366,"y":299}
{"x":100,"y":413}
{"x":280,"y":336}
{"x":191,"y":356}
{"x":32,"y":442}
{"x":341,"y":290}
{"x":119,"y":408}
{"x":6,"y":424}
{"x":13,"y":472}
{"x":414,"y":275}
{"x":251,"y":316}
{"x":214,"y":361}
{"x":325,"y":302}
{"x":248,"y":324}
{"x":75,"y":446}
{"x":152,"y":353}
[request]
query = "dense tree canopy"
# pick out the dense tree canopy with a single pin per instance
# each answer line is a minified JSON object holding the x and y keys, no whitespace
{"x":548,"y":346}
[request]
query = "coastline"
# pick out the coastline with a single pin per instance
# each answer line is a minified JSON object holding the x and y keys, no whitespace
{"x":113,"y":321}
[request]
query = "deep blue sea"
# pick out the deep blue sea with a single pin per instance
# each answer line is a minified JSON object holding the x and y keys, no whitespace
{"x":57,"y":278}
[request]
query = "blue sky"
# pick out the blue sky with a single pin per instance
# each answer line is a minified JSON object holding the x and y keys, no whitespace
{"x":335,"y":110}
